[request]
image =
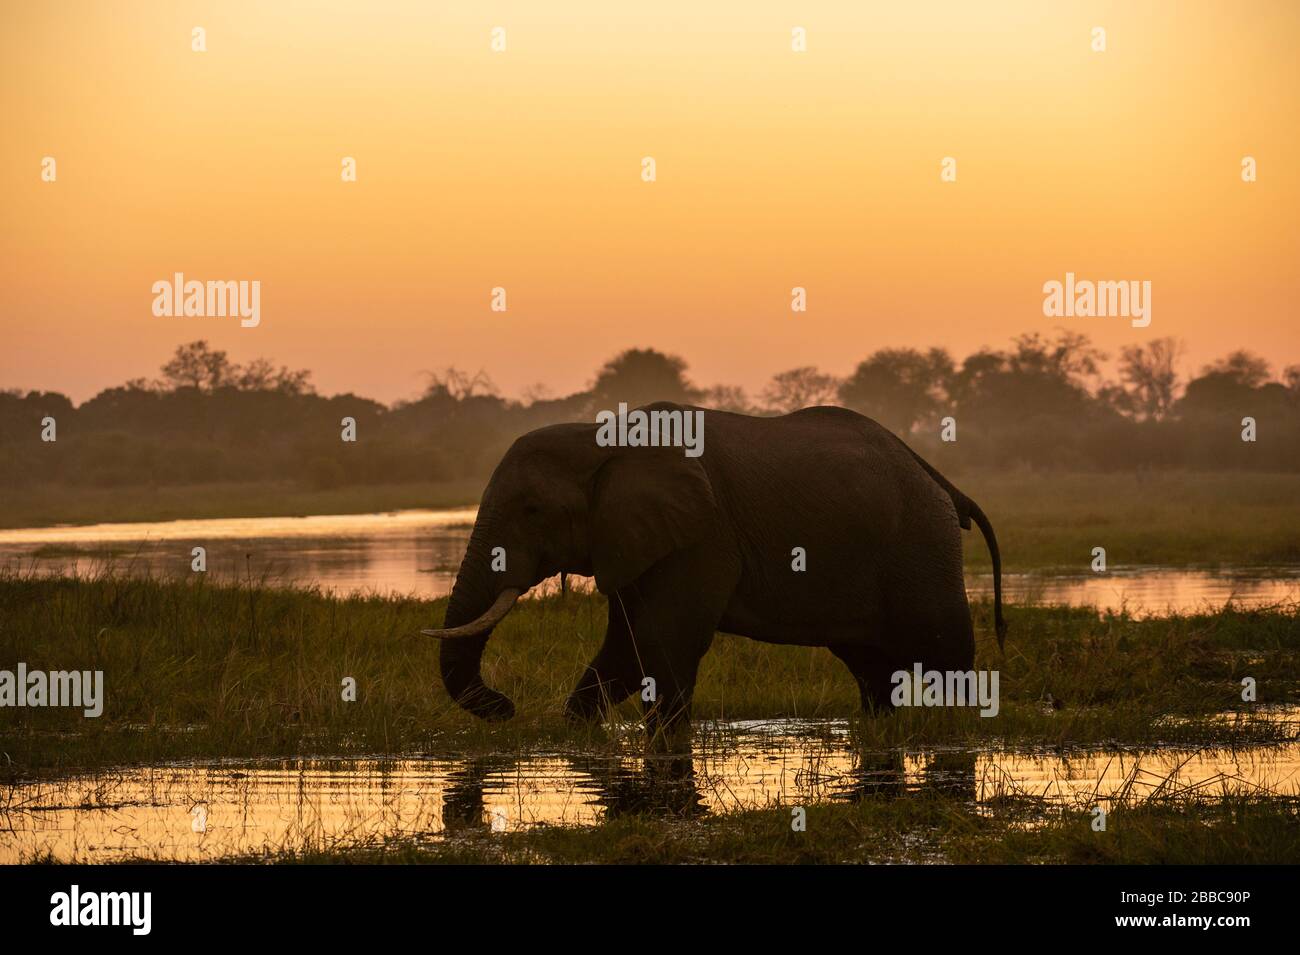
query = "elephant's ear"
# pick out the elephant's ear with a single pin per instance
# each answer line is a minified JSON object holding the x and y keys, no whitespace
{"x":645,"y":504}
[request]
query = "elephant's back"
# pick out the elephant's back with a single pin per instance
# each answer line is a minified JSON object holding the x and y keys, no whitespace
{"x":829,"y":479}
{"x":842,"y":532}
{"x":834,"y":442}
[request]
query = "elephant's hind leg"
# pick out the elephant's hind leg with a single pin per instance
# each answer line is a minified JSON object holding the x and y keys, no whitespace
{"x":873,"y":670}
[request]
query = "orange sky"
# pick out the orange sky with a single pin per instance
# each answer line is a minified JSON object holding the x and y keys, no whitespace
{"x":522,"y":169}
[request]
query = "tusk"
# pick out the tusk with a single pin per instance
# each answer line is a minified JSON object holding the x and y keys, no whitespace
{"x":505,"y":600}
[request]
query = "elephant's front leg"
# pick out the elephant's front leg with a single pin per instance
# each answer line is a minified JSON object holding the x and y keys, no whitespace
{"x":668,"y":686}
{"x":612,"y":674}
{"x":673,"y":611}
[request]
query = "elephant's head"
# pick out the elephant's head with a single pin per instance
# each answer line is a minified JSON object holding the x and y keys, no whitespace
{"x":560,"y":503}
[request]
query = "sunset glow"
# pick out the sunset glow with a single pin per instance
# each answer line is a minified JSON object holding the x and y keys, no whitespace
{"x":521,"y":170}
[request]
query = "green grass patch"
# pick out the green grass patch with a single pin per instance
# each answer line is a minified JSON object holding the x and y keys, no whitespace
{"x":1172,"y":518}
{"x":196,"y":670}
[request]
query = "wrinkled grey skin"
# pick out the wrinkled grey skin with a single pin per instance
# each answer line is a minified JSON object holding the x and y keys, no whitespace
{"x":686,"y":546}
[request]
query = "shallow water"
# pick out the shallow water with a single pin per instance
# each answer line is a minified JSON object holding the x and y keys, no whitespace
{"x":210,"y":811}
{"x":402,"y":551}
{"x":418,"y":552}
{"x":1149,"y":589}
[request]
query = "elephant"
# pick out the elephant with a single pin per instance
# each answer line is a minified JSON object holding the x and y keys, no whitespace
{"x":684,"y":546}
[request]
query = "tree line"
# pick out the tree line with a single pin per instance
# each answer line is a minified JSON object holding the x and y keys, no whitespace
{"x":1043,"y":402}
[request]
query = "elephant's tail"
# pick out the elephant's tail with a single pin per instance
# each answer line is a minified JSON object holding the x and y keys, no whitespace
{"x":986,"y":529}
{"x":966,"y":511}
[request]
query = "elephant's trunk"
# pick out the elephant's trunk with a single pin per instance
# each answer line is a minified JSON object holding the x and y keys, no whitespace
{"x":475,"y":607}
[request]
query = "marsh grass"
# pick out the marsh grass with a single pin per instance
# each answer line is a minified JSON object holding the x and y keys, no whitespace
{"x":1259,"y":829}
{"x":1171,"y":518}
{"x":194,"y":669}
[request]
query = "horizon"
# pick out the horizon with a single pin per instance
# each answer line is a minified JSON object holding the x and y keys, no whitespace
{"x":485,"y":384}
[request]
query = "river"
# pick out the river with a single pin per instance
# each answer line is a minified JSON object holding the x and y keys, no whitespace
{"x":417,"y":551}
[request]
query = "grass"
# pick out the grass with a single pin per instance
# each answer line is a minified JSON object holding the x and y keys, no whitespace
{"x":193,"y":670}
{"x":1043,"y":520}
{"x":197,"y":670}
{"x":1175,"y":519}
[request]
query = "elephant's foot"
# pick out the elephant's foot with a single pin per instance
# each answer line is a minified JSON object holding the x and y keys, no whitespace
{"x":580,"y":708}
{"x":593,"y":697}
{"x":668,"y":738}
{"x":668,"y":726}
{"x":486,"y":703}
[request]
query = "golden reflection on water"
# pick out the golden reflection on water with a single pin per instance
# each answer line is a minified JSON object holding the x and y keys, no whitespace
{"x":239,"y":528}
{"x":207,"y":812}
{"x":415,"y":551}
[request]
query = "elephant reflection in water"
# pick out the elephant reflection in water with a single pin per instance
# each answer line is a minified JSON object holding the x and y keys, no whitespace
{"x":463,"y":808}
{"x":884,"y":776}
{"x":668,"y":787}
{"x":662,"y":787}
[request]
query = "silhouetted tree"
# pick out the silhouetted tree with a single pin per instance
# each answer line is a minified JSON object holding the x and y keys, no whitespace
{"x":1031,"y":404}
{"x":458,"y":384}
{"x":1151,"y":379}
{"x":899,"y":387}
{"x":640,"y":376}
{"x":1242,"y":367}
{"x":725,"y":398}
{"x":1070,"y":356}
{"x":799,"y":388}
{"x":208,"y":419}
{"x":1234,"y":385}
{"x":1212,"y":409}
{"x":195,"y":365}
{"x":262,"y":375}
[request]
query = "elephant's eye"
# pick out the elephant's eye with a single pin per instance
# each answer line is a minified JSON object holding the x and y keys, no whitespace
{"x":531,"y":510}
